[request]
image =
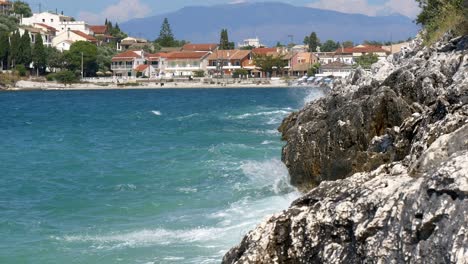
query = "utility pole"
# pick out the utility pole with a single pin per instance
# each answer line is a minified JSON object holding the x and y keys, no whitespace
{"x":82,"y":68}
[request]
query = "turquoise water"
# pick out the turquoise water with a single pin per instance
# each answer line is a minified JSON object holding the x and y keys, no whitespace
{"x":142,"y":176}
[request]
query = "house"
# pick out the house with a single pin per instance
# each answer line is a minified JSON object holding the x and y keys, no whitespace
{"x":349,"y":55}
{"x":47,"y":18}
{"x":156,"y":63}
{"x":278,"y":51}
{"x":395,"y":48}
{"x":300,"y":48}
{"x":301,"y":63}
{"x":210,"y":47}
{"x":335,"y":69}
{"x":131,"y":43}
{"x":325,"y":57}
{"x":252,"y":42}
{"x":62,"y":40}
{"x":101,"y":33}
{"x":129,"y":63}
{"x":228,"y":61}
{"x":46,"y":34}
{"x":184,"y":63}
{"x":6,"y":7}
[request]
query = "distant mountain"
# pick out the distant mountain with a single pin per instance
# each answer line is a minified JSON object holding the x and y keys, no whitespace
{"x":272,"y":22}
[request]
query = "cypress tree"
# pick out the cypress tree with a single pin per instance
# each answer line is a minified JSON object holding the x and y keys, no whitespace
{"x":15,"y":40}
{"x":314,"y":42}
{"x":24,"y":50}
{"x":39,"y":55}
{"x":4,"y":49}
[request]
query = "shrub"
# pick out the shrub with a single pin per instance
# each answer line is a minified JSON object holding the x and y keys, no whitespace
{"x":65,"y":77}
{"x":21,"y":70}
{"x":199,"y":73}
{"x":441,"y":16}
{"x":239,"y":73}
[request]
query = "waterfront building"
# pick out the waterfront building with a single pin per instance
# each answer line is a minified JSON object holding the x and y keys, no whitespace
{"x":184,"y":63}
{"x":227,"y":61}
{"x":127,"y":64}
{"x":47,"y":33}
{"x":301,"y":63}
{"x":335,"y":69}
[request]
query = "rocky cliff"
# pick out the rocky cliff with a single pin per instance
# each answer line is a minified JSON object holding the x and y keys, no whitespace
{"x":388,"y":151}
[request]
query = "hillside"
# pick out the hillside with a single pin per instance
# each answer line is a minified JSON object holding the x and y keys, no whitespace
{"x":272,"y":22}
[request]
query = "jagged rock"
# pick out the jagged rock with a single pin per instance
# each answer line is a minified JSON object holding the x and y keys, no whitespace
{"x":385,"y":216}
{"x":332,"y":138}
{"x":385,"y":161}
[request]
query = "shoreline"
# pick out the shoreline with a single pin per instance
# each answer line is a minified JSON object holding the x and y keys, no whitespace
{"x":52,"y":86}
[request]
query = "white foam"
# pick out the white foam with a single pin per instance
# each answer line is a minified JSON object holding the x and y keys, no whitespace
{"x":267,"y":142}
{"x":270,"y":173}
{"x":266,"y":113}
{"x":314,"y":94}
{"x":180,"y":118}
{"x":158,"y":113}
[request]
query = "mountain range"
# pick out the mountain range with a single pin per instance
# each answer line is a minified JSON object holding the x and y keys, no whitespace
{"x":272,"y":22}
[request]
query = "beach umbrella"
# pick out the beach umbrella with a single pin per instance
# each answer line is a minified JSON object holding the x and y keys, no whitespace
{"x":108,"y":73}
{"x":99,"y":73}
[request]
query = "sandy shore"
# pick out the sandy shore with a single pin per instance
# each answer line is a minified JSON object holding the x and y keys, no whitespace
{"x":30,"y":85}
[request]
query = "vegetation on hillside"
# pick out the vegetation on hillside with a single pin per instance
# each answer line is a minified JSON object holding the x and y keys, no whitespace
{"x":440,"y":16}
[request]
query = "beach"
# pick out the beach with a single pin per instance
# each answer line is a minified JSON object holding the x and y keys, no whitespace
{"x":32,"y":85}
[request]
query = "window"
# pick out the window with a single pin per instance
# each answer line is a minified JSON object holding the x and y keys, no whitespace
{"x":51,"y":20}
{"x":43,"y":20}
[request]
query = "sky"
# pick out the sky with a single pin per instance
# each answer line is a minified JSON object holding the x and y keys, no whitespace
{"x":95,"y":11}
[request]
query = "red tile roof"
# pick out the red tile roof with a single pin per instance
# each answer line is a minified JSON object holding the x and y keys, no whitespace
{"x":361,"y":49}
{"x":98,"y":29}
{"x":185,"y":55}
{"x":199,"y":47}
{"x":264,"y":51}
{"x":155,"y":56}
{"x":84,"y":35}
{"x":129,"y":55}
{"x":46,"y":27}
{"x":141,"y":68}
{"x":229,"y":54}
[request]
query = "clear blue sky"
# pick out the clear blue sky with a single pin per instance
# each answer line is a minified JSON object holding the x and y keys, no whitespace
{"x":121,"y":10}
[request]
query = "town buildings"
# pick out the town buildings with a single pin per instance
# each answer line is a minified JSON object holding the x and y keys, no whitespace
{"x":6,"y":7}
{"x":252,"y":42}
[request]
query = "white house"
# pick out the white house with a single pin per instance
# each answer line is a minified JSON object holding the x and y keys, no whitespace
{"x":252,"y":42}
{"x":335,"y":69}
{"x":33,"y":32}
{"x":129,"y":63}
{"x":47,"y":18}
{"x":64,"y":39}
{"x":184,"y":63}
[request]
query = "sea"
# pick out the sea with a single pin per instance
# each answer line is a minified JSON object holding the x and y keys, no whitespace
{"x":140,"y":176}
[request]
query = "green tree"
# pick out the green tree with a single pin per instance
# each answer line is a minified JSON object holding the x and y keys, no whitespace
{"x":55,"y":58}
{"x":348,"y":44}
{"x":367,"y":60}
{"x":312,"y":42}
{"x":39,"y":55}
{"x":4,"y":49}
{"x":22,"y":8}
{"x":373,"y":43}
{"x":82,"y":50}
{"x":269,"y":63}
{"x":224,"y":43}
{"x":166,"y":38}
{"x":8,"y":23}
{"x":314,"y":69}
{"x":15,"y":41}
{"x":440,"y":16}
{"x":329,"y":46}
{"x":24,"y":55}
{"x":65,"y":77}
{"x":104,"y":57}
